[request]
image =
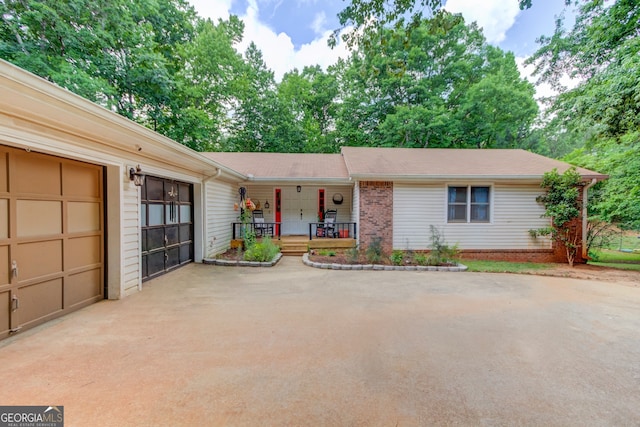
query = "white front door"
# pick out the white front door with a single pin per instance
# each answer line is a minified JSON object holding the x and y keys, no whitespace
{"x":298,"y":209}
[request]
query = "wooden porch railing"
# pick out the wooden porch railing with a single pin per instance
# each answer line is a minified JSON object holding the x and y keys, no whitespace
{"x":339,"y":230}
{"x":271,"y":229}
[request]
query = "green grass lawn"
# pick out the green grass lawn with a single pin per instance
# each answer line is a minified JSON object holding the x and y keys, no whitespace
{"x":628,"y":240}
{"x":504,"y":266}
{"x":617,"y":259}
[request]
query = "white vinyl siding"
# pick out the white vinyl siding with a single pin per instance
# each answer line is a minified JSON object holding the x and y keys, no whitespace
{"x":219,"y":199}
{"x":514,"y":211}
{"x":131,"y":243}
{"x":355,"y":211}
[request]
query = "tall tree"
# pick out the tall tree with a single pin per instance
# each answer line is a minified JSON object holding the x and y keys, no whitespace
{"x":205,"y":86}
{"x":602,"y":113}
{"x":310,"y":96}
{"x":255,"y":107}
{"x":427,"y":88}
{"x":121,"y":54}
{"x":363,"y":16}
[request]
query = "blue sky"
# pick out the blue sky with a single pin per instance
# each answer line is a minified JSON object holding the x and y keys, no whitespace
{"x":293,"y":33}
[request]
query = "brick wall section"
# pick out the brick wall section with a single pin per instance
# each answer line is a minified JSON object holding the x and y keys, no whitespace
{"x":376,"y":213}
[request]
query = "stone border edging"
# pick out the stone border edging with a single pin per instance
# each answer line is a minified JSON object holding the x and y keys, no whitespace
{"x":379,"y":267}
{"x":230,"y":263}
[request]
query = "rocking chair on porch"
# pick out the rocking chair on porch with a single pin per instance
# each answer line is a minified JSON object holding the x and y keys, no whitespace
{"x":328,"y":227}
{"x":259,"y":226}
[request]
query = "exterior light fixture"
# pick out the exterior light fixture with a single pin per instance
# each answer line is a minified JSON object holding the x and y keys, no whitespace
{"x":136,"y":176}
{"x":299,"y":188}
{"x":266,"y":204}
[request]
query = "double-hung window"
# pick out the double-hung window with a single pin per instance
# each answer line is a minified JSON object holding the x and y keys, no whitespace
{"x":469,"y":204}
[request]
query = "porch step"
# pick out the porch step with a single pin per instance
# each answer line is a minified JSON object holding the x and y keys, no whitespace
{"x":298,"y":245}
{"x":293,"y":249}
{"x":293,"y":253}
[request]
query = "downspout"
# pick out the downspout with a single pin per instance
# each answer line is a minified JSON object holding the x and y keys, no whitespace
{"x":585,"y":221}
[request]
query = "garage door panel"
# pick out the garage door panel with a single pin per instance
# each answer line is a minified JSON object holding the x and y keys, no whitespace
{"x":39,"y":259}
{"x":185,"y":233}
{"x":80,"y":180}
{"x":173,"y":257}
{"x":4,"y":172}
{"x":155,"y":239}
{"x":36,"y":174}
{"x":4,"y":219}
{"x":5,"y":312}
{"x":4,"y":265}
{"x":186,"y":253}
{"x":82,"y":252}
{"x":39,"y":217}
{"x":82,"y":287}
{"x":155,"y":263}
{"x":39,"y":300}
{"x":154,"y":188}
{"x":172,"y":235}
{"x":83,"y":217}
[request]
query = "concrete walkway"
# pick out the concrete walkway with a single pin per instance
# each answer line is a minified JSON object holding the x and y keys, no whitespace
{"x":293,"y":345}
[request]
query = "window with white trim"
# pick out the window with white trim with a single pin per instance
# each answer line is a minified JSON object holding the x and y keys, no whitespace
{"x":469,"y":204}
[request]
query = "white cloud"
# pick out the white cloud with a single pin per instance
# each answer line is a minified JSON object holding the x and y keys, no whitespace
{"x":278,"y":50}
{"x":494,"y":16}
{"x":319,"y":22}
{"x":214,"y":9}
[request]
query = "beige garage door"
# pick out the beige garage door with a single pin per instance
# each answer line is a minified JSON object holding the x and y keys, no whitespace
{"x":51,"y":238}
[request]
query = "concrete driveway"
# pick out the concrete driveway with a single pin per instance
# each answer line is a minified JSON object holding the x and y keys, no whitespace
{"x":292,"y":345}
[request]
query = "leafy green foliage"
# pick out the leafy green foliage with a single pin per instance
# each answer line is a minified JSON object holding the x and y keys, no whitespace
{"x":441,"y":252}
{"x":363,"y":16}
{"x":262,"y":251}
{"x":396,"y":257}
{"x":374,"y":250}
{"x":424,"y":88}
{"x":420,"y":258}
{"x":601,"y":116}
{"x":562,"y":205}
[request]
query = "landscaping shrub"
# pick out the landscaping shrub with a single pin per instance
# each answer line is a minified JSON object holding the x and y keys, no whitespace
{"x":262,"y":251}
{"x":374,"y":251}
{"x":420,"y":258}
{"x":353,"y":255}
{"x":441,"y":253}
{"x":397,"y":257}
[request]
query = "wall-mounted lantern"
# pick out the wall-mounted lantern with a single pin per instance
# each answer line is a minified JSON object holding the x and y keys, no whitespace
{"x":136,"y":176}
{"x":266,"y":204}
{"x":298,"y":188}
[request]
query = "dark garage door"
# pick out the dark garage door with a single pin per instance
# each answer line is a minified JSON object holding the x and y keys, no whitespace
{"x":167,"y":225}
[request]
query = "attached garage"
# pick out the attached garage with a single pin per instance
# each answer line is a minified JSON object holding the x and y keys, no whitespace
{"x":74,"y":227}
{"x":51,"y":237}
